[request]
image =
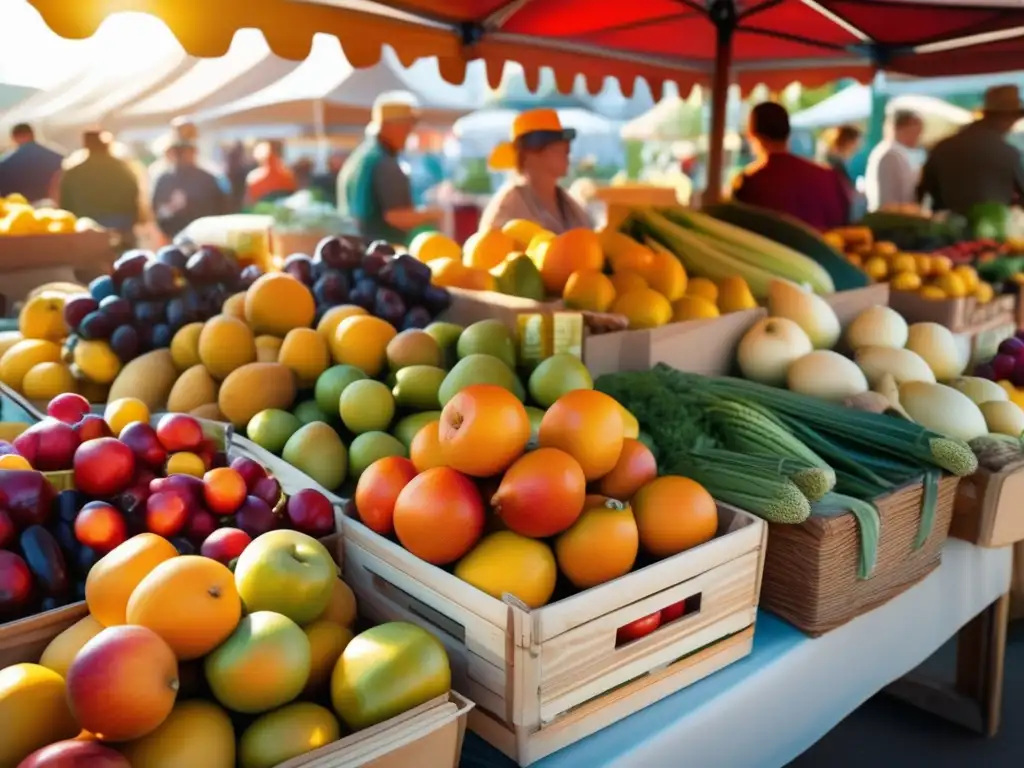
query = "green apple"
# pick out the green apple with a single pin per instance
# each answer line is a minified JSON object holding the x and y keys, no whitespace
{"x":286,"y":572}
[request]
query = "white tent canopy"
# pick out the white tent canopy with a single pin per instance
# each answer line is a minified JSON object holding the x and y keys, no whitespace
{"x":853,"y":105}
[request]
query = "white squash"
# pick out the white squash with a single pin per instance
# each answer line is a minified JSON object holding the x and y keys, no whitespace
{"x":827,"y":375}
{"x":942,"y":409}
{"x":937,"y":346}
{"x":903,"y":364}
{"x":769,"y":348}
{"x":877,"y":326}
{"x":978,"y":389}
{"x":806,"y":309}
{"x":1003,"y":417}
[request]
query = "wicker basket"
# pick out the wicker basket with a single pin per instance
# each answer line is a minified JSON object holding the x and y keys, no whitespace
{"x":810,"y":570}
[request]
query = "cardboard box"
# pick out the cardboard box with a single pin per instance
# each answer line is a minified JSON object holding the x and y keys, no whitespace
{"x":848,"y":304}
{"x":956,"y":314}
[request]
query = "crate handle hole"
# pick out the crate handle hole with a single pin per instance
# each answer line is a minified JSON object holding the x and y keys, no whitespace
{"x":646,"y":625}
{"x":418,"y":608}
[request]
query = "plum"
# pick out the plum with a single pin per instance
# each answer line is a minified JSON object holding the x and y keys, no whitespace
{"x":125,"y":343}
{"x":1012,"y":347}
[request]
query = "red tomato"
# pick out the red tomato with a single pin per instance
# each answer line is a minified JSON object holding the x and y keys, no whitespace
{"x":673,"y":612}
{"x":637,"y":629}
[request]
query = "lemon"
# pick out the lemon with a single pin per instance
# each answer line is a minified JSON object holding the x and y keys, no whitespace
{"x":693,"y":308}
{"x":44,"y":381}
{"x":589,"y":290}
{"x":23,"y":356}
{"x":623,"y":282}
{"x":702,"y":288}
{"x":968,"y":275}
{"x":123,"y":411}
{"x":906,"y":281}
{"x":644,"y":308}
{"x":185,"y":463}
{"x":427,"y":246}
{"x":933,"y":293}
{"x":904,"y":263}
{"x":876,"y":268}
{"x":97,"y":361}
{"x":952,"y":285}
{"x":983,"y":293}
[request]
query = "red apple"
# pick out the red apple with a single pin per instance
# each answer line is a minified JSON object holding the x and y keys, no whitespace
{"x":69,"y":408}
{"x":256,"y":517}
{"x":15,"y":583}
{"x":637,"y":629}
{"x":100,"y":526}
{"x":8,"y":533}
{"x":673,"y":612}
{"x":250,"y":470}
{"x":91,"y":427}
{"x":167,"y":513}
{"x":143,"y":440}
{"x":75,"y":754}
{"x":27,"y":496}
{"x":267,"y":489}
{"x":133,"y":498}
{"x":225,"y":544}
{"x":191,"y":487}
{"x":103,"y":467}
{"x":179,"y":432}
{"x":311,"y":512}
{"x":200,"y":526}
{"x":49,"y":445}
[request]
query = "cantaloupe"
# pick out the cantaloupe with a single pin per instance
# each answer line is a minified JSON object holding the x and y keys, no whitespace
{"x":149,"y":378}
{"x":112,"y":580}
{"x":193,"y":389}
{"x":226,"y":343}
{"x":253,"y":388}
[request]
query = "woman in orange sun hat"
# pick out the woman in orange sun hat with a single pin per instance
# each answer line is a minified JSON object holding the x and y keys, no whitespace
{"x":539,"y":154}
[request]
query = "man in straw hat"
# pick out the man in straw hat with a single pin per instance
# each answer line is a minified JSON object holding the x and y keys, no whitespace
{"x":372,"y":187}
{"x":977,"y":165}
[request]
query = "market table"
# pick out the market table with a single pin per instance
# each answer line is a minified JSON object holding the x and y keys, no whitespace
{"x":792,"y":689}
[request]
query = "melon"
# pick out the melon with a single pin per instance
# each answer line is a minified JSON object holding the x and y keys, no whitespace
{"x":253,"y":388}
{"x":148,"y":378}
{"x":193,"y":389}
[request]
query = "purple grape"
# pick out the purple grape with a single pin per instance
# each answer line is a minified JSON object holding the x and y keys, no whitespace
{"x":125,"y":343}
{"x":331,"y":289}
{"x":134,"y":289}
{"x":299,"y":266}
{"x":1002,"y":366}
{"x":388,"y":305}
{"x":1012,"y":347}
{"x":145,"y":333}
{"x":436,"y":299}
{"x":364,"y":294}
{"x":172,"y":256}
{"x":249,"y":276}
{"x":96,"y":325}
{"x":382,"y":247}
{"x":984,"y":371}
{"x":416,"y":317}
{"x":206,"y":265}
{"x":77,"y":307}
{"x":149,"y":313}
{"x":131,"y":264}
{"x":186,"y":244}
{"x":159,"y":278}
{"x":161,"y":336}
{"x":374,"y":263}
{"x":119,"y":310}
{"x":177,"y":315}
{"x":338,"y":252}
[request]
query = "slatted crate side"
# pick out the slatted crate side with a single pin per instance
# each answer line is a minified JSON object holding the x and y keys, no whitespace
{"x":986,"y":511}
{"x":25,"y":640}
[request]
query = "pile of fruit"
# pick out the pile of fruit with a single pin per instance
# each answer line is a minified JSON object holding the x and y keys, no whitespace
{"x":18,"y":217}
{"x":170,"y":480}
{"x":935,"y":276}
{"x":183,"y":662}
{"x":590,"y":271}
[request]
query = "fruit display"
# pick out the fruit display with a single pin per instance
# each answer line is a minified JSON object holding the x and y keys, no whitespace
{"x":18,"y":217}
{"x":129,"y":477}
{"x":182,"y":661}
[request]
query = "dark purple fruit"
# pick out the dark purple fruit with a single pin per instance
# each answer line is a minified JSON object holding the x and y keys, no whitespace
{"x":388,"y":305}
{"x":85,"y":559}
{"x":125,"y":343}
{"x":331,"y":289}
{"x":382,"y":247}
{"x":374,"y":263}
{"x":64,"y":533}
{"x":299,"y":266}
{"x":337,"y":252}
{"x":145,"y":333}
{"x":436,"y":299}
{"x":177,"y":315}
{"x":193,"y":305}
{"x":162,"y":336}
{"x":206,"y":265}
{"x":172,"y":256}
{"x":364,"y":293}
{"x":249,"y":276}
{"x":44,"y":558}
{"x":77,"y":307}
{"x":117,"y":309}
{"x":150,"y":312}
{"x":96,"y":325}
{"x":359,"y":274}
{"x":102,"y":287}
{"x":185,"y":244}
{"x":417,"y":317}
{"x":131,"y":264}
{"x":183,"y":545}
{"x":159,"y":278}
{"x":66,"y":505}
{"x":134,"y":289}
{"x":409,"y":276}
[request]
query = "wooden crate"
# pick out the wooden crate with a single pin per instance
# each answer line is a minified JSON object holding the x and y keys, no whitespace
{"x":986,"y":511}
{"x":956,"y":314}
{"x":543,"y":679}
{"x":25,"y":639}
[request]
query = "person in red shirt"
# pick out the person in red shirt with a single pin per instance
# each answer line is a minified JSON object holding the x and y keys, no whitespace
{"x":271,"y":179}
{"x":781,"y":181}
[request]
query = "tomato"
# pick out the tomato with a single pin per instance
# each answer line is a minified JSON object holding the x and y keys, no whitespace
{"x":637,"y":629}
{"x":673,"y":612}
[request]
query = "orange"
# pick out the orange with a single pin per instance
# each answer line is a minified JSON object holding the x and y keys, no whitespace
{"x":378,"y":489}
{"x":589,"y":290}
{"x":474,"y":279}
{"x":342,"y":607}
{"x":644,"y":308}
{"x":674,"y":514}
{"x":541,"y":494}
{"x":702,"y":288}
{"x":635,"y":468}
{"x":225,"y":343}
{"x":624,"y":282}
{"x":487,"y":249}
{"x":362,"y":341}
{"x":601,"y":545}
{"x":439,"y":516}
{"x":483,"y":429}
{"x":447,"y":272}
{"x":190,"y":601}
{"x":121,"y":412}
{"x":305,"y":352}
{"x":559,"y":257}
{"x":425,"y":448}
{"x":427,"y":246}
{"x":588,"y":426}
{"x":277,"y":302}
{"x":112,"y":580}
{"x":331,"y":320}
{"x":234,"y":306}
{"x":665,"y":275}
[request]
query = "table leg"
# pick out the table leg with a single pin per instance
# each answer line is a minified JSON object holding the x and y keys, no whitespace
{"x":975,"y":699}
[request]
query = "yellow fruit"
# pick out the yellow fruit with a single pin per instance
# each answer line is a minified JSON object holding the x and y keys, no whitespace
{"x":268,"y":349}
{"x":33,"y":710}
{"x":623,"y":282}
{"x":14,"y":461}
{"x":538,"y":241}
{"x":121,"y":412}
{"x":185,"y":346}
{"x":941,"y":265}
{"x":42,"y":317}
{"x":11,"y":429}
{"x":666,"y":275}
{"x":19,"y":221}
{"x":305,"y":352}
{"x":195,"y":733}
{"x":734,"y":295}
{"x":487,"y":249}
{"x":644,"y":308}
{"x":277,"y":302}
{"x":924,"y":264}
{"x":97,"y":361}
{"x":327,"y":640}
{"x":8,"y":339}
{"x":968,"y":275}
{"x":507,"y":562}
{"x":149,"y":378}
{"x":905,"y":281}
{"x":185,"y":463}
{"x":623,"y":252}
{"x":952,"y":285}
{"x":905,"y":262}
{"x":362,"y":341}
{"x":329,"y":322}
{"x":702,"y":288}
{"x":23,"y":357}
{"x":523,"y":231}
{"x":474,"y":279}
{"x":693,"y":308}
{"x":16,"y":197}
{"x":47,"y":380}
{"x":983,"y":293}
{"x":427,"y":246}
{"x":225,"y":344}
{"x":253,"y":388}
{"x":234,"y":306}
{"x":572,"y":251}
{"x":589,"y":290}
{"x":631,"y":427}
{"x":933,"y":293}
{"x":446,"y":273}
{"x":193,"y":389}
{"x":64,"y":647}
{"x":876,"y":268}
{"x":342,"y":607}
